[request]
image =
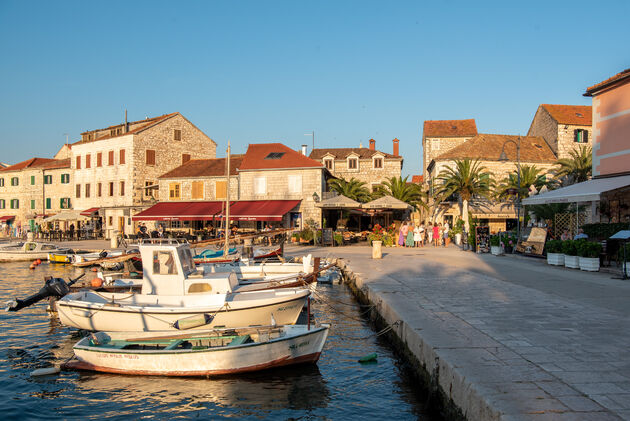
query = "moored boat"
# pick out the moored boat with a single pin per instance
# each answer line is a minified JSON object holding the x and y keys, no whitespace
{"x":27,"y":251}
{"x":199,"y":353}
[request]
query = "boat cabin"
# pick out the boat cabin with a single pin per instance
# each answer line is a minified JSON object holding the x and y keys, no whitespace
{"x":168,"y":269}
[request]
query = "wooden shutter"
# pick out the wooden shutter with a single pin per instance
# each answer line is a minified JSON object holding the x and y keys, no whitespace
{"x":88,"y":161}
{"x":110,"y":158}
{"x":99,"y":159}
{"x":197,"y":190}
{"x":221,"y":189}
{"x":121,"y":156}
{"x":78,"y":162}
{"x":150,"y":157}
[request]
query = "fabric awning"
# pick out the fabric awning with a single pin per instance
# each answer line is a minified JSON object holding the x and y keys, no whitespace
{"x":586,"y":191}
{"x":386,"y":202}
{"x":6,"y":218}
{"x":338,"y":202}
{"x":180,"y":211}
{"x":261,"y":210}
{"x":89,"y":212}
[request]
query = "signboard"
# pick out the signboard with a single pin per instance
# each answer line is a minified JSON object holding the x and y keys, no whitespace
{"x":482,"y":239}
{"x":327,"y":237}
{"x":535,"y":242}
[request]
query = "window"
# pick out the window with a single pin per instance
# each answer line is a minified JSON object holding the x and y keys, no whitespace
{"x":328,"y":163}
{"x":110,"y":158}
{"x":88,"y":161}
{"x":15,"y":181}
{"x":295,"y":183}
{"x":32,"y":180}
{"x":111,"y":221}
{"x":260,"y":185}
{"x":122,"y":188}
{"x":274,"y":155}
{"x":111,"y":188}
{"x":78,"y":162}
{"x":173,"y":191}
{"x":148,"y":193}
{"x":580,"y":136}
{"x":65,"y":178}
{"x":48,"y":179}
{"x":32,"y":204}
{"x":197,"y":190}
{"x":99,"y":159}
{"x":150,"y":157}
{"x":99,"y":189}
{"x":15,"y":204}
{"x":78,"y":191}
{"x":48,"y":203}
{"x":353,"y":164}
{"x":121,"y":156}
{"x":1,"y":182}
{"x":2,"y":204}
{"x":435,"y":145}
{"x":220,"y":189}
{"x":185,"y":158}
{"x":64,"y":203}
{"x":87,"y":190}
{"x":378,"y":162}
{"x":177,"y":134}
{"x":163,"y":263}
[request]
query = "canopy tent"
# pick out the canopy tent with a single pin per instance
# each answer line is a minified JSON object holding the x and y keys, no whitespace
{"x":338,"y":202}
{"x":261,"y":210}
{"x":180,"y":211}
{"x":67,"y":215}
{"x":386,"y":202}
{"x":90,"y":212}
{"x":586,"y":191}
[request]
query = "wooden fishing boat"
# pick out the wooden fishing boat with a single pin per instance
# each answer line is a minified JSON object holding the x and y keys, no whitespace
{"x":67,"y":256}
{"x":26,"y":251}
{"x":175,"y":293}
{"x":201,"y":352}
{"x":217,"y":256}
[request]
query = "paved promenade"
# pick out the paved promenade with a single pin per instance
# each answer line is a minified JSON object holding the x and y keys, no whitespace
{"x":508,"y":338}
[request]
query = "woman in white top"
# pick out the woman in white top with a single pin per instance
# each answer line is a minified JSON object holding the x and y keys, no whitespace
{"x":422,"y":234}
{"x":417,"y":236}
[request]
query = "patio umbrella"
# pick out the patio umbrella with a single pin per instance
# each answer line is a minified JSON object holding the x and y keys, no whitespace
{"x":386,"y":202}
{"x":67,"y":215}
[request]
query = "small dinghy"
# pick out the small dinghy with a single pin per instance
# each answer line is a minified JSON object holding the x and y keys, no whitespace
{"x":201,"y":352}
{"x":27,"y":251}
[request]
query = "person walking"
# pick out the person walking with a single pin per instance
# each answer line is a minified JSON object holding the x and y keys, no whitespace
{"x":447,"y":240}
{"x":403,"y":234}
{"x":436,"y":235}
{"x":417,"y":235}
{"x":409,"y":242}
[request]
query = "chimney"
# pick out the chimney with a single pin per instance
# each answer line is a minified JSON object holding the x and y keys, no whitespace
{"x":372,"y":144}
{"x":126,"y":123}
{"x":304,"y":149}
{"x":395,"y":141}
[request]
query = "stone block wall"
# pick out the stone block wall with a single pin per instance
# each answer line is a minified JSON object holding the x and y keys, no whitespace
{"x":366,"y":171}
{"x":209,"y":190}
{"x":566,"y":140}
{"x":432,"y":147}
{"x":559,"y":137}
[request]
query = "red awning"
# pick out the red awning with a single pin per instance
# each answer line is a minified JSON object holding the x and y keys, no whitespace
{"x":89,"y":212}
{"x":6,"y":218}
{"x":180,"y":211}
{"x":261,"y":210}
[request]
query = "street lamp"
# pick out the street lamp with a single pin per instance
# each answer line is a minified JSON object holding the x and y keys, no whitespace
{"x":503,"y":158}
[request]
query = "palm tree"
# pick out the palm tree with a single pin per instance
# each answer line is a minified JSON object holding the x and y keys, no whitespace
{"x":469,"y":180}
{"x":353,"y":189}
{"x":399,"y":188}
{"x":530,"y":176}
{"x":578,"y":167}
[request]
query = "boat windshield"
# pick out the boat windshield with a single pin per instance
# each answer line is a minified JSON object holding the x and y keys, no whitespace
{"x":188,"y":264}
{"x":163,"y":263}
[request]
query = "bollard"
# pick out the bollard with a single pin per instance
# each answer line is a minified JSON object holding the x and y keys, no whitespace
{"x":377,"y":252}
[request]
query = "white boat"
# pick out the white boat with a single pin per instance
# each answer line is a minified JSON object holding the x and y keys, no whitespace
{"x":249,"y":269}
{"x":199,"y":353}
{"x":26,"y":251}
{"x":176,"y":295}
{"x":90,"y":257}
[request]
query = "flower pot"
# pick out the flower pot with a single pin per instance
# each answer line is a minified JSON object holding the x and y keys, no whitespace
{"x":377,"y":252}
{"x":590,"y":264}
{"x":495,"y":250}
{"x":572,"y":262}
{"x":458,"y":239}
{"x":556,"y":259}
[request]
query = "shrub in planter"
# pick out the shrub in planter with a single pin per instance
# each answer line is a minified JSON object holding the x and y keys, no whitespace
{"x":495,"y":241}
{"x":306,"y":235}
{"x":571,"y":259}
{"x":338,"y":239}
{"x":554,"y":252}
{"x":588,"y":253}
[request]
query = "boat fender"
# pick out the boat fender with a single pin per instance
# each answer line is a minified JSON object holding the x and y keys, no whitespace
{"x":95,"y":269}
{"x":192,"y":321}
{"x":38,"y":262}
{"x":96,"y":282}
{"x":368,"y":358}
{"x":46,"y":371}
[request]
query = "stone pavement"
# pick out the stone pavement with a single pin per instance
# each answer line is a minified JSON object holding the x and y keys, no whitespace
{"x":506,"y":338}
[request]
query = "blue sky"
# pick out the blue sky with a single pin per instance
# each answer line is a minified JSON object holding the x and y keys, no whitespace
{"x":272,"y":71}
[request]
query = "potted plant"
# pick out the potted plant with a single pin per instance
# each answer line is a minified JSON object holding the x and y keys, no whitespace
{"x":495,"y":245}
{"x":588,"y":253}
{"x":569,"y":249}
{"x":376,"y":238}
{"x":554,"y":252}
{"x":509,"y":242}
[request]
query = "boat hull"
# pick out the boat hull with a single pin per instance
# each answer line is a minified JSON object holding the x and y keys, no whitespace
{"x":22,"y":257}
{"x":285,"y":309}
{"x":303,"y":347}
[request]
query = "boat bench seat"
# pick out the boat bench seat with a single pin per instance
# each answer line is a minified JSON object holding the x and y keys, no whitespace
{"x":239,"y":340}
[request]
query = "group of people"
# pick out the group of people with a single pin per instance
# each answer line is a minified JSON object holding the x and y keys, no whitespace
{"x":580,"y":235}
{"x":411,"y":235}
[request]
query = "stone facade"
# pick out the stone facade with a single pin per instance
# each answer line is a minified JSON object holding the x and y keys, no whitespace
{"x":186,"y":190}
{"x":432,"y":147}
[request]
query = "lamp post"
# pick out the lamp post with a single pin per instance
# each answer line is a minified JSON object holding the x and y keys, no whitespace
{"x":503,"y":158}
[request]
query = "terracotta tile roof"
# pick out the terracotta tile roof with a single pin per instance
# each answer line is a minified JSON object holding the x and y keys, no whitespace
{"x":450,"y":128}
{"x":608,"y":82}
{"x":56,"y":164}
{"x":417,"y":179}
{"x":31,"y":163}
{"x":143,"y":125}
{"x":577,"y":115}
{"x":487,"y":147}
{"x":205,"y":168}
{"x":258,"y":157}
{"x":342,"y":153}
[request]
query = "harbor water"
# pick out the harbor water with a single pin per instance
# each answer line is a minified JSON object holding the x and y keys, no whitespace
{"x":338,"y":387}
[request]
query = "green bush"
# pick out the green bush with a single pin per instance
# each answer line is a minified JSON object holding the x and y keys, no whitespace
{"x":569,"y":247}
{"x":495,"y":241}
{"x":306,"y":235}
{"x":338,"y":239}
{"x":602,"y":231}
{"x":554,"y":246}
{"x":388,"y":240}
{"x":588,"y":249}
{"x":620,"y":255}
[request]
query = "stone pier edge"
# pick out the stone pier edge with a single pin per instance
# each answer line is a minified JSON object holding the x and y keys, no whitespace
{"x":453,"y":396}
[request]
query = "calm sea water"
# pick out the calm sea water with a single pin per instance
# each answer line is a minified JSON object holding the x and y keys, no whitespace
{"x":338,"y":387}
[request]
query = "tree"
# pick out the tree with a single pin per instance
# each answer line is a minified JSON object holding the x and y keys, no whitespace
{"x":469,"y":180}
{"x":353,"y":189}
{"x":578,"y":167}
{"x":399,"y":188}
{"x":530,"y":176}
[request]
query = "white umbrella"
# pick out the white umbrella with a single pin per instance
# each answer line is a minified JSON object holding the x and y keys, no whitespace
{"x":67,"y":215}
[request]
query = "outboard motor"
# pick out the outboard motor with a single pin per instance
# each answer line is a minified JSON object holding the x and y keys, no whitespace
{"x":53,"y":287}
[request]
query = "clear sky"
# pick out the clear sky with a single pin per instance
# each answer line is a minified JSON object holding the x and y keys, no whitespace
{"x":256,"y":71}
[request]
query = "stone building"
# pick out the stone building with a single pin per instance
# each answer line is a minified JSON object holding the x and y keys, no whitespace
{"x":34,"y":188}
{"x":564,"y":127}
{"x":117,"y":168}
{"x":440,"y":136}
{"x":364,"y":164}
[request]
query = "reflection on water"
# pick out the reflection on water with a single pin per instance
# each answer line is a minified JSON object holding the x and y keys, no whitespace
{"x":338,"y":387}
